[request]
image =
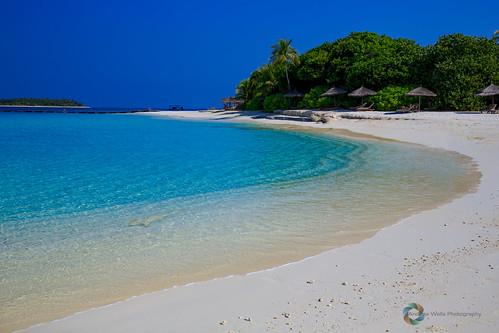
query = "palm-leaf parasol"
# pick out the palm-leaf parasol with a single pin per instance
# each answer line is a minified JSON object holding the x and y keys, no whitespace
{"x":362,"y":92}
{"x":421,"y":92}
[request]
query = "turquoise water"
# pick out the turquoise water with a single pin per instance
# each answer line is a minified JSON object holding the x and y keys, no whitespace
{"x":58,"y":164}
{"x":96,"y":208}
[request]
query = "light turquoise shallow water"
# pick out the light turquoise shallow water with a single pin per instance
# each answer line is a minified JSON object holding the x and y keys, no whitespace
{"x":95,"y":208}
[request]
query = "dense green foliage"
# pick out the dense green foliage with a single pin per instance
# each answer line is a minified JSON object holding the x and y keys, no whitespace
{"x":456,"y":67}
{"x":276,"y":102}
{"x":392,"y":98}
{"x":371,"y":60}
{"x":254,"y":104}
{"x":314,"y":100}
{"x":262,"y":83}
{"x":39,"y":102}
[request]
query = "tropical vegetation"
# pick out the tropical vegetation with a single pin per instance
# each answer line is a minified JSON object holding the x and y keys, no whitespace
{"x":39,"y":102}
{"x":456,"y":67}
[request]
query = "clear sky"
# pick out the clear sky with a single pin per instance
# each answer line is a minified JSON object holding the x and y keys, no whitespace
{"x":192,"y":52}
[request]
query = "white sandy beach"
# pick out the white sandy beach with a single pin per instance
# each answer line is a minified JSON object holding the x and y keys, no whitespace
{"x":446,"y":259}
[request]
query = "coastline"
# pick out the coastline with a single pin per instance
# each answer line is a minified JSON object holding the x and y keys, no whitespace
{"x":47,"y":106}
{"x":237,"y":298}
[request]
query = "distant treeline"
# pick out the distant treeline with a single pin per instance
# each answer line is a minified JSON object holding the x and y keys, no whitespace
{"x":39,"y":102}
{"x":456,"y":67}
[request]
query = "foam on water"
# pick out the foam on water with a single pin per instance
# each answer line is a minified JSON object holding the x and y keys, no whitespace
{"x":95,"y":209}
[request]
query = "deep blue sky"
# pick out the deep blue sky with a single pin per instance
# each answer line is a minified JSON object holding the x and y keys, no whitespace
{"x":191,"y":52}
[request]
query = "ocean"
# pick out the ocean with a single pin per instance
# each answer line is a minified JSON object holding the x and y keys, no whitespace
{"x":98,"y":208}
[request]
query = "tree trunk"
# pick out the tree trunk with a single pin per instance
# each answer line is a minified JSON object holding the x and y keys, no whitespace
{"x":287,"y":77}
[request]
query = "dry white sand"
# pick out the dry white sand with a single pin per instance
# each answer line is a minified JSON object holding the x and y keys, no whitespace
{"x":446,"y":259}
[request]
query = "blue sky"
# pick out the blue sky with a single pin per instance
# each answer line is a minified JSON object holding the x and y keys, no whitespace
{"x":191,"y":52}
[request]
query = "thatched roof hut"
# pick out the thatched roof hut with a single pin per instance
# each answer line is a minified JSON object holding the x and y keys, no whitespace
{"x":231,"y":103}
{"x":421,"y":92}
{"x":362,"y":92}
{"x":232,"y":100}
{"x":334,"y":91}
{"x":491,"y":90}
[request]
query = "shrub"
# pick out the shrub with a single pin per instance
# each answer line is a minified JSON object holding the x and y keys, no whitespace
{"x":253,"y":104}
{"x":460,"y":66}
{"x":275,"y":102}
{"x":391,"y":98}
{"x":314,"y":100}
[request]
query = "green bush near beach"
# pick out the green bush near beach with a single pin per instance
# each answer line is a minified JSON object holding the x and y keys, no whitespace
{"x":254,"y":104}
{"x":276,"y":102}
{"x":314,"y":100}
{"x":456,"y":67}
{"x":392,"y":98}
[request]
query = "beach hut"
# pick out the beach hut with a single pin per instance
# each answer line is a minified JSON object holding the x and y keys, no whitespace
{"x":492,"y":91}
{"x":362,"y":92}
{"x":421,"y":92}
{"x":231,"y":103}
{"x":293,"y":95}
{"x":333,"y":92}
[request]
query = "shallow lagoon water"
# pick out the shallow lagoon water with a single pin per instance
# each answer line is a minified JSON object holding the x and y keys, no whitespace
{"x":97,"y":208}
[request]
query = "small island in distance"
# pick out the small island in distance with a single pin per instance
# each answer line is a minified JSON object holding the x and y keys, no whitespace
{"x":40,"y":102}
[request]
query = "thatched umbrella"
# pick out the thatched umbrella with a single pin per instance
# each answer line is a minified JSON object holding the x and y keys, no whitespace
{"x":361,"y":92}
{"x":293,"y":94}
{"x":491,"y":90}
{"x":421,"y":92}
{"x":333,"y":92}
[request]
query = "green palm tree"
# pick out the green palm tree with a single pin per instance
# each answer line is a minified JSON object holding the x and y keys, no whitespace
{"x":245,"y":90}
{"x":284,"y":54}
{"x":495,"y":36}
{"x":262,"y":82}
{"x":268,"y":81}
